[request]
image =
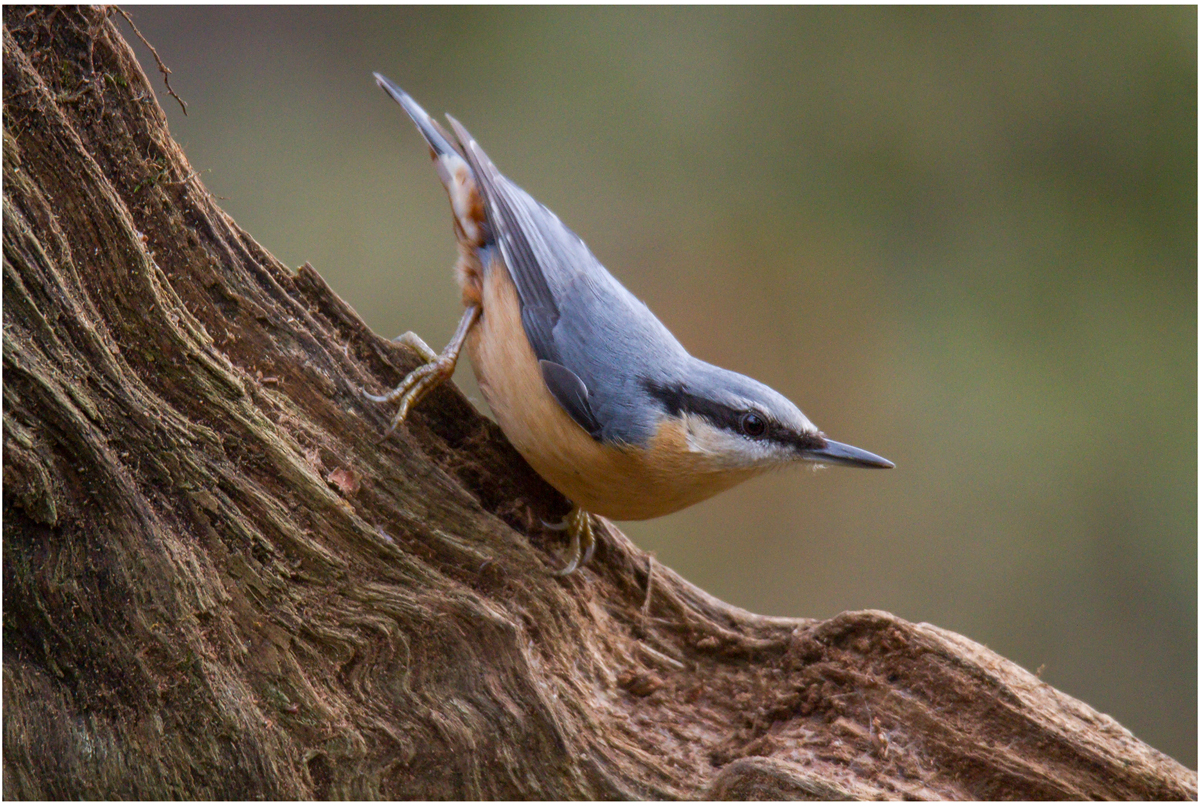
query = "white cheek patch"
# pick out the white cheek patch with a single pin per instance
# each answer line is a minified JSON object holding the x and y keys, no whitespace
{"x":728,"y":450}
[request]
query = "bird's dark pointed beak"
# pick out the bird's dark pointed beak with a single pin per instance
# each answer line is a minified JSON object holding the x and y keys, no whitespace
{"x":838,"y":453}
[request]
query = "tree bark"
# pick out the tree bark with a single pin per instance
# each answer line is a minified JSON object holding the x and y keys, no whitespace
{"x":220,"y":582}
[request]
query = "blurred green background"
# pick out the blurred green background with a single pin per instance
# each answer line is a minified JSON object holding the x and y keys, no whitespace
{"x":964,"y":239}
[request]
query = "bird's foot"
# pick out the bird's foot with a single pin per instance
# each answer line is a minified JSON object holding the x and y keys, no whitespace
{"x":581,"y":527}
{"x":437,"y":369}
{"x":418,"y":383}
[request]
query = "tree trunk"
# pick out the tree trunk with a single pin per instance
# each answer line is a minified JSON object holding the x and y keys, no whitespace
{"x":220,"y":582}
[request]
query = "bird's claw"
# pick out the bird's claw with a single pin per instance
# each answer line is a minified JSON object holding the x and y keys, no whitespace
{"x":437,"y":369}
{"x":418,"y":383}
{"x":580,"y":527}
{"x":417,"y":344}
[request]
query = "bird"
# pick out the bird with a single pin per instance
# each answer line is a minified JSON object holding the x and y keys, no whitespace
{"x":586,"y":383}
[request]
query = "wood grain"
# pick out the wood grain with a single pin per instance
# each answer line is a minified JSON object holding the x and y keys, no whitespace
{"x":220,"y":583}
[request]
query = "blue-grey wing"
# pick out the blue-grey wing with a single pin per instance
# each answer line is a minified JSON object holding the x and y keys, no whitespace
{"x":522,"y":243}
{"x":572,"y":394}
{"x":593,"y":360}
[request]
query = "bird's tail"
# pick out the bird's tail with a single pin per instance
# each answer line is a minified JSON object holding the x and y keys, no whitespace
{"x":452,"y":168}
{"x":437,"y":137}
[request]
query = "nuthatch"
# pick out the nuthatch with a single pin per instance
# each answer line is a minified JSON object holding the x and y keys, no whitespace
{"x":583,"y":379}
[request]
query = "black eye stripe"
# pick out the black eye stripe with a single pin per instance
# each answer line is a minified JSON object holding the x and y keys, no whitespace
{"x":678,"y":402}
{"x":738,"y":421}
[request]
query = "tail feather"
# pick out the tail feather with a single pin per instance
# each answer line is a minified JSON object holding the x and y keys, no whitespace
{"x":437,"y":137}
{"x":452,"y":168}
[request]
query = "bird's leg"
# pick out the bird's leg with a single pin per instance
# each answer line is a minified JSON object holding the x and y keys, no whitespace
{"x":583,"y":541}
{"x":438,"y":368}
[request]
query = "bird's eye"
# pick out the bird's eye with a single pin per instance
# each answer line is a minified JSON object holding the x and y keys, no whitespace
{"x":753,"y":425}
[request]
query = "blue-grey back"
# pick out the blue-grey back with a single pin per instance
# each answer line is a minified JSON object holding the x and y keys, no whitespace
{"x":576,"y":315}
{"x":595,"y":328}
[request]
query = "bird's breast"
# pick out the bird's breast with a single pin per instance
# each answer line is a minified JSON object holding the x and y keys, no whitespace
{"x":622,"y":482}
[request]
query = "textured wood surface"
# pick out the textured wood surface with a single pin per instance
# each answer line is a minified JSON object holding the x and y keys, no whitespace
{"x":220,"y":583}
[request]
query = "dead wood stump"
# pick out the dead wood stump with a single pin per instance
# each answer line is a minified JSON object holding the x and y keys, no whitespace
{"x":220,"y":583}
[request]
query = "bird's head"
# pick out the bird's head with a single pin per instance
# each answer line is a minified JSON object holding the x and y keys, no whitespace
{"x":734,"y":423}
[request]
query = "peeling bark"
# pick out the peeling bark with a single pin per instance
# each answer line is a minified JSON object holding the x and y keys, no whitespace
{"x":220,"y":583}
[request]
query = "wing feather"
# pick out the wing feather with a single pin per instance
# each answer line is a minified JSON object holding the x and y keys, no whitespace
{"x":520,"y":241}
{"x":592,"y":361}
